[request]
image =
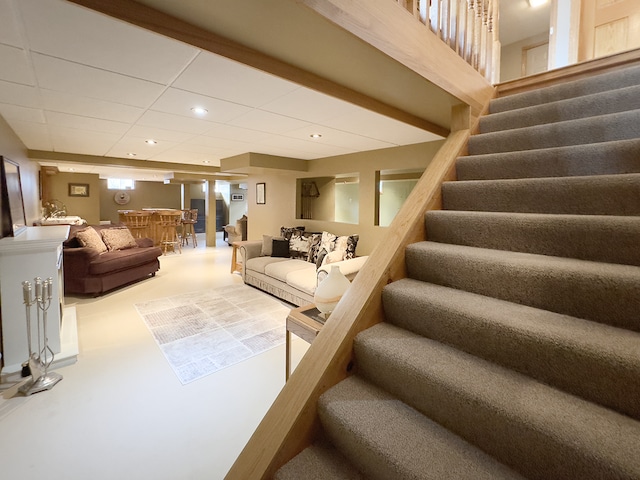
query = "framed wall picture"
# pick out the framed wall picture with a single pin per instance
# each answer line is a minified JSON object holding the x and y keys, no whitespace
{"x":261,"y":198}
{"x":14,"y":219}
{"x":78,"y":189}
{"x":237,"y":197}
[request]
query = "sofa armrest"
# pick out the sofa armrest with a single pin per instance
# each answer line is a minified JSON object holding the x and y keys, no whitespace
{"x":76,"y":260}
{"x":349,"y":268}
{"x":144,"y":242}
{"x":249,"y":250}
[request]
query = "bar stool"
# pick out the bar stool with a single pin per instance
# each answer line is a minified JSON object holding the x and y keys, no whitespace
{"x":137,"y":222}
{"x":168,"y":222}
{"x":189,"y":219}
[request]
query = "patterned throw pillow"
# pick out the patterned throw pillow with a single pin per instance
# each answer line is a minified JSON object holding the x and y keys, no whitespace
{"x":88,"y":237}
{"x":347,"y":246}
{"x":314,"y":247}
{"x":299,"y":246}
{"x":288,"y":232}
{"x":118,"y":239}
{"x":328,"y":241}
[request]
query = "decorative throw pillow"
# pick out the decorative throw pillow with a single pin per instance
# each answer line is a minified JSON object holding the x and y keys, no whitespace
{"x":288,"y":232}
{"x":88,"y":237}
{"x":299,"y":246}
{"x":118,"y":239}
{"x":328,"y":241}
{"x":280,"y":248}
{"x":321,"y":256}
{"x":333,"y":257}
{"x":347,"y":246}
{"x":314,"y":247}
{"x":267,"y":244}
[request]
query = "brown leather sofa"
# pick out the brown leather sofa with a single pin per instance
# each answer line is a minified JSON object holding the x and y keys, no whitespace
{"x":87,"y":271}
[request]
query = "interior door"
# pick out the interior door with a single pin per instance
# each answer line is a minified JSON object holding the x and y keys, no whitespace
{"x":608,"y":27}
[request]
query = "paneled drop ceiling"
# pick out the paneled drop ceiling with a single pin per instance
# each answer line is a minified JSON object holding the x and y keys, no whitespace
{"x":79,"y":82}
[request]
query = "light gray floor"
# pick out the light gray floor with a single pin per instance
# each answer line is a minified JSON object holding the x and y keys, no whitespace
{"x":120,"y":411}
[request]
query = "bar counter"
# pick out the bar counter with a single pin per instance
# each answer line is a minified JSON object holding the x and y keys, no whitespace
{"x":154,"y":229}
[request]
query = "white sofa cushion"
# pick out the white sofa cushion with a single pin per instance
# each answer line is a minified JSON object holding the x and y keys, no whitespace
{"x":280,"y":270}
{"x":258,"y":264}
{"x":304,"y":280}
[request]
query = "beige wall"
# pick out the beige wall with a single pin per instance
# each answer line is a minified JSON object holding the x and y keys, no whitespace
{"x":11,"y":147}
{"x":511,"y":56}
{"x":145,"y":195}
{"x":280,"y":207}
{"x":85,"y":207}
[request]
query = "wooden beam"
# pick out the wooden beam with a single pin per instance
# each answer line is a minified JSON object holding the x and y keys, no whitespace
{"x":122,"y":162}
{"x":156,"y":21}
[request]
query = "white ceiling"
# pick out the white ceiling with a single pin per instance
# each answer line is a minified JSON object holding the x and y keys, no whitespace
{"x":76,"y":81}
{"x":519,"y":21}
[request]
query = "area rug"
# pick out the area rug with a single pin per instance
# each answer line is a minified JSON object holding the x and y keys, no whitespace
{"x":202,"y":332}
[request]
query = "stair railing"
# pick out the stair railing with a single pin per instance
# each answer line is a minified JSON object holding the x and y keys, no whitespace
{"x":469,"y":27}
{"x":292,"y":422}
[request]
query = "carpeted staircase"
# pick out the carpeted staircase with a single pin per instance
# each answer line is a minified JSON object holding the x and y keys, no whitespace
{"x":512,"y":350}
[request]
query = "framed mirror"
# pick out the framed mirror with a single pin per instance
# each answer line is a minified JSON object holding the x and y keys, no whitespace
{"x":14,"y":210}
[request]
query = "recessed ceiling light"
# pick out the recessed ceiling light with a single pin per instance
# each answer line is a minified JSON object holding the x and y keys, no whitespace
{"x":151,"y":141}
{"x":315,"y":135}
{"x":536,"y":3}
{"x":206,"y":161}
{"x":131,"y":154}
{"x":72,"y":169}
{"x":200,"y":110}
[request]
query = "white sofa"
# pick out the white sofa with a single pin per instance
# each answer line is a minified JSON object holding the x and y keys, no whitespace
{"x":290,"y":279}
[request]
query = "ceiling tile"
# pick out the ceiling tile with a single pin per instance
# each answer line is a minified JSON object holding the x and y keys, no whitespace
{"x":131,"y":143}
{"x":309,"y":105}
{"x":161,"y":135}
{"x":17,"y":94}
{"x":217,"y":77}
{"x":16,"y":66}
{"x":268,"y":122}
{"x":231,"y":132}
{"x":73,"y":78}
{"x":180,"y":102}
{"x":78,"y":33}
{"x":23,"y":114}
{"x":56,"y":119}
{"x":338,"y":138}
{"x":71,"y":140}
{"x":9,"y":30}
{"x":91,"y":107}
{"x":35,"y":136}
{"x":173,"y":122}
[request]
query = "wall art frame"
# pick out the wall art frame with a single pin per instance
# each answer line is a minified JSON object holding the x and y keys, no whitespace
{"x":261,"y":195}
{"x":78,"y":189}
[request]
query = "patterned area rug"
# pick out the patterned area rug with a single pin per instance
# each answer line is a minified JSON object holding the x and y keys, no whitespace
{"x":205,"y":331}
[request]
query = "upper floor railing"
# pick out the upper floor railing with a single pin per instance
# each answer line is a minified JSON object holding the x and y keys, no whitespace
{"x":469,"y":27}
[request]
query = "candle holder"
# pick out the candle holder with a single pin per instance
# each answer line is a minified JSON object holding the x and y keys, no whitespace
{"x":41,"y":358}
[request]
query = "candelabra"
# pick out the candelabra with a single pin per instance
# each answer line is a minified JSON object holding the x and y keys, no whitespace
{"x":40,"y":359}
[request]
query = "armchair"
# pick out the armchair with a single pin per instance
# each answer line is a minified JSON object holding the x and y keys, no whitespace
{"x":237,"y":232}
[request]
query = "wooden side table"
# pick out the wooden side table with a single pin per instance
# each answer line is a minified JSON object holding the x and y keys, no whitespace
{"x":306,"y":322}
{"x":235,"y":264}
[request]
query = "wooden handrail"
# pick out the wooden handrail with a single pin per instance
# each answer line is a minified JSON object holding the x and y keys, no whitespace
{"x":291,"y":423}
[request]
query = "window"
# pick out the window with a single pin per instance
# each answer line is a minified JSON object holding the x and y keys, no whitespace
{"x":120,"y":184}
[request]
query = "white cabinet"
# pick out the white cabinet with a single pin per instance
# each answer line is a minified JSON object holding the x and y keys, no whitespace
{"x":36,"y":252}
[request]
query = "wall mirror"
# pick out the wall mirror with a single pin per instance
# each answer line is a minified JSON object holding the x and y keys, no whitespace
{"x":332,"y":199}
{"x":14,"y":220}
{"x":392,"y":189}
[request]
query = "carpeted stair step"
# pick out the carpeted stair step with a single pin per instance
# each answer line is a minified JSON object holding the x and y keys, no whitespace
{"x":603,"y":128}
{"x":612,"y":101}
{"x":620,"y":78}
{"x":320,"y":461}
{"x":540,"y":431}
{"x":594,"y":361}
{"x":590,"y":195}
{"x":386,"y":439}
{"x":602,"y":292}
{"x":604,"y":158}
{"x":600,"y":238}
